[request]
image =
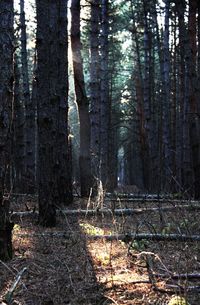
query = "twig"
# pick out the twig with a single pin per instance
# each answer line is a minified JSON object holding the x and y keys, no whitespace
{"x":9,"y":294}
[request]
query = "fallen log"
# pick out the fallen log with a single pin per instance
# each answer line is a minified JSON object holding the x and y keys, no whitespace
{"x":139,"y":195}
{"x":151,"y":200}
{"x":189,"y":276}
{"x":108,"y":212}
{"x":116,"y":237}
{"x":183,"y":288}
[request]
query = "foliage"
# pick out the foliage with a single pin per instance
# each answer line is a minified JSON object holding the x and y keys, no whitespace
{"x":177,"y":300}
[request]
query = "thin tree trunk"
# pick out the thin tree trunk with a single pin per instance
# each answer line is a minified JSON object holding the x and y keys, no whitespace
{"x":18,"y":130}
{"x":183,"y":149}
{"x":95,"y":87}
{"x":82,"y":101}
{"x":194,"y":119}
{"x":147,"y":99}
{"x":29,"y":109}
{"x":6,"y":108}
{"x":166,"y":102}
{"x":105,"y":106}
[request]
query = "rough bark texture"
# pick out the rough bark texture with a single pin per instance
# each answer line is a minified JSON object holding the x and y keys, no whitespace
{"x":6,"y":104}
{"x":29,"y":109}
{"x":54,"y":176}
{"x":82,"y":101}
{"x":104,"y":94}
{"x":147,"y":101}
{"x":193,"y":96}
{"x":95,"y":87}
{"x":166,"y":101}
{"x":18,"y":133}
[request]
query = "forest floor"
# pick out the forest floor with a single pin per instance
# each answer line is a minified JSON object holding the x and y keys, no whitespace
{"x":81,"y":270}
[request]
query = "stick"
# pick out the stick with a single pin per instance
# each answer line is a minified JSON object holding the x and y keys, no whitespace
{"x":108,"y":212}
{"x":123,"y":237}
{"x":9,"y":294}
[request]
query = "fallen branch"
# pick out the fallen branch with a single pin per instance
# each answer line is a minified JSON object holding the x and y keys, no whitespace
{"x":189,"y":276}
{"x":109,"y":212}
{"x":151,"y":200}
{"x":9,"y":294}
{"x":139,"y":195}
{"x":183,"y":288}
{"x":123,"y":237}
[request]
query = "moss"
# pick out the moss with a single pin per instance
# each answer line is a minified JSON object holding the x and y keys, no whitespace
{"x":177,"y":300}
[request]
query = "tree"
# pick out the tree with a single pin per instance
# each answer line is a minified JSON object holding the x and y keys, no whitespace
{"x":105,"y":107}
{"x":6,"y":103}
{"x":82,"y":101}
{"x":194,"y":119}
{"x":95,"y":86}
{"x":18,"y":132}
{"x":54,"y":169}
{"x":30,"y":174}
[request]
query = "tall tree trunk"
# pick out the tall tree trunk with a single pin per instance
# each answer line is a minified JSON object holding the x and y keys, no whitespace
{"x":6,"y":107}
{"x":82,"y":101}
{"x":105,"y":106}
{"x":18,"y":129}
{"x":166,"y":102}
{"x":54,"y":176}
{"x":29,"y":109}
{"x":183,"y":141}
{"x":95,"y":87}
{"x":194,"y":118}
{"x":147,"y":100}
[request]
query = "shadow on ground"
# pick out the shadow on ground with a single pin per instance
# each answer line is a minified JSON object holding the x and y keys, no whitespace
{"x":59,"y":269}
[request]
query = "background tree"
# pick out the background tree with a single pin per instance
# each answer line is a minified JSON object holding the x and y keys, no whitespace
{"x":82,"y":101}
{"x":6,"y":104}
{"x":29,"y":128}
{"x":95,"y":86}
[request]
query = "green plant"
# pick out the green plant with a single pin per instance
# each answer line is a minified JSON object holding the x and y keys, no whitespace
{"x":177,"y":300}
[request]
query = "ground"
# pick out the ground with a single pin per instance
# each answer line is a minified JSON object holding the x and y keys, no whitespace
{"x":80,"y":270}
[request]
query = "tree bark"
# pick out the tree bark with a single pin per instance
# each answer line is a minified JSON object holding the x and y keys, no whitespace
{"x":54,"y":169}
{"x":18,"y":133}
{"x":29,"y":109}
{"x":194,"y":118}
{"x":167,"y":168}
{"x":95,"y":87}
{"x":6,"y":108}
{"x":82,"y":101}
{"x":105,"y":106}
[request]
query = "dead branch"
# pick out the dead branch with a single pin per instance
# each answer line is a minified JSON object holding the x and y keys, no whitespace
{"x":9,"y":294}
{"x":189,"y":276}
{"x":151,"y":200}
{"x":122,"y":237}
{"x":108,"y":212}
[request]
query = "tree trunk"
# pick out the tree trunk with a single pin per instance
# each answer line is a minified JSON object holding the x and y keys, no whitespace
{"x":194,"y":118}
{"x":54,"y":170}
{"x":147,"y":100}
{"x":6,"y":108}
{"x":95,"y":87}
{"x":184,"y":153}
{"x":29,"y":109}
{"x":82,"y":101}
{"x":18,"y":133}
{"x":105,"y":106}
{"x":166,"y":103}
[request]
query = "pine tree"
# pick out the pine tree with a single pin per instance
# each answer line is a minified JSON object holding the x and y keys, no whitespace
{"x":6,"y":104}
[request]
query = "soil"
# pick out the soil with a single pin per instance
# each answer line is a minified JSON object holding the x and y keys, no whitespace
{"x":80,"y":270}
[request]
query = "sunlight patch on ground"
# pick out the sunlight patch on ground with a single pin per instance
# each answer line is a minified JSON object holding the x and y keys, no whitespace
{"x":92,"y":230}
